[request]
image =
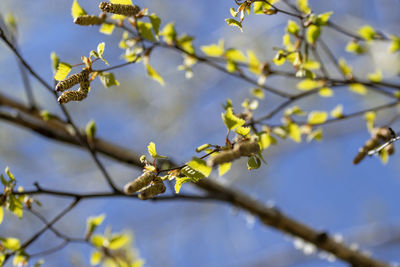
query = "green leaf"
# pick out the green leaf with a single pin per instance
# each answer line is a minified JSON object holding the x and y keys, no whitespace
{"x":93,"y":222}
{"x":367,"y":32}
{"x":375,"y":77}
{"x":146,"y":30}
{"x":108,"y":79}
{"x":370,"y":119}
{"x":317,"y":117}
{"x":154,"y":74}
{"x":235,"y":55}
{"x":95,"y":257}
{"x":325,"y":92}
{"x":200,"y":166}
{"x":214,"y":50}
{"x":11,"y":243}
{"x":303,"y":6}
{"x":230,"y":120}
{"x":244,"y":131}
{"x":194,"y":175}
{"x":355,"y":47}
{"x":97,"y":240}
{"x":293,"y":27}
{"x":9,"y":174}
{"x":322,"y":19}
{"x":1,"y":214}
{"x":169,"y":33}
{"x":358,"y":88}
{"x":253,"y":163}
{"x":234,"y":23}
{"x":279,"y":58}
{"x":224,"y":168}
{"x":337,"y":112}
{"x":257,"y":92}
{"x":202,"y":147}
{"x":107,"y":28}
{"x":313,"y":32}
{"x":153,"y":152}
{"x":315,"y":135}
{"x":295,"y":110}
{"x":100,"y":50}
{"x":309,"y":84}
{"x":118,"y":241}
{"x":90,"y":129}
{"x":186,"y":42}
{"x":11,"y":22}
{"x":63,"y":70}
{"x":384,"y":156}
{"x":155,"y":23}
{"x":254,"y":63}
{"x":77,"y":10}
{"x":54,"y":61}
{"x":294,"y":132}
{"x":122,"y":2}
{"x":394,"y":44}
{"x":15,"y":206}
{"x":179,"y":181}
{"x":345,"y":68}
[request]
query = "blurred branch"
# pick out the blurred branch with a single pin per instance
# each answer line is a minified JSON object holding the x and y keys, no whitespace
{"x":268,"y":215}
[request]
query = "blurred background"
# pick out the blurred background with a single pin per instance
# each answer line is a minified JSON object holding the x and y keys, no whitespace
{"x":315,"y":183}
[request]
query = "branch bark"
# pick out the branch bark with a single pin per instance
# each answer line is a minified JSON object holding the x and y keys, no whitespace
{"x":58,"y":130}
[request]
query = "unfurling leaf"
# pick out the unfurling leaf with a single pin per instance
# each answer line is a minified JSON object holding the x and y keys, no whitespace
{"x":100,"y":50}
{"x":108,"y":79}
{"x":90,"y":129}
{"x":230,"y":120}
{"x":214,"y":50}
{"x":63,"y":70}
{"x":77,"y":10}
{"x":107,"y":28}
{"x":200,"y":166}
{"x":232,"y":22}
{"x":154,"y":75}
{"x":153,"y":152}
{"x":179,"y":181}
{"x":317,"y":117}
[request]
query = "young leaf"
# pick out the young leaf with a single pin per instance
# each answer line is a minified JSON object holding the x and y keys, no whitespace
{"x":155,"y":23}
{"x":153,"y":152}
{"x":107,"y":28}
{"x":235,"y":55}
{"x":118,"y":241}
{"x":294,"y":132}
{"x":122,"y":2}
{"x":202,"y":147}
{"x":9,"y":174}
{"x":11,"y":243}
{"x":179,"y":181}
{"x":313,"y":32}
{"x":1,"y":214}
{"x":169,"y":33}
{"x":293,"y":27}
{"x":345,"y":68}
{"x":63,"y":70}
{"x":194,"y":175}
{"x":77,"y":10}
{"x":367,"y":32}
{"x":370,"y":119}
{"x":100,"y":50}
{"x":325,"y":92}
{"x":154,"y":74}
{"x":145,"y":30}
{"x":355,"y":47}
{"x":54,"y":61}
{"x":90,"y":129}
{"x":394,"y":44}
{"x":93,"y":222}
{"x":235,"y":23}
{"x":358,"y":88}
{"x":214,"y":50}
{"x":322,"y":19}
{"x":254,"y":63}
{"x":224,"y":168}
{"x":230,"y":120}
{"x":253,"y":163}
{"x":243,"y":131}
{"x":337,"y":112}
{"x":317,"y":135}
{"x":257,"y":92}
{"x":108,"y":79}
{"x":200,"y":166}
{"x":317,"y":117}
{"x":95,"y":257}
{"x":303,"y":6}
{"x":309,"y":84}
{"x":375,"y":77}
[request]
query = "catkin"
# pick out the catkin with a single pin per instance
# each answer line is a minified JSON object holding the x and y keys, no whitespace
{"x":156,"y":188}
{"x":243,"y":149}
{"x":85,"y":20}
{"x":126,"y":10}
{"x":75,"y":95}
{"x":144,"y":180}
{"x":72,"y":80}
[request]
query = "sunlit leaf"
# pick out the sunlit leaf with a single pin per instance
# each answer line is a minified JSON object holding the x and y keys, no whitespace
{"x":279,"y":58}
{"x":169,"y":33}
{"x":1,"y":214}
{"x":154,"y":74}
{"x":77,"y":10}
{"x":394,"y":44}
{"x":230,"y":120}
{"x":97,"y":240}
{"x":337,"y":112}
{"x":117,"y":241}
{"x":313,"y":32}
{"x":122,"y":2}
{"x":317,"y":117}
{"x":309,"y":84}
{"x":107,"y":28}
{"x":325,"y":92}
{"x":202,"y":147}
{"x":100,"y":50}
{"x":244,"y":131}
{"x":257,"y":92}
{"x":253,"y":163}
{"x":235,"y":23}
{"x":151,"y":148}
{"x":10,"y":243}
{"x":214,"y":50}
{"x":235,"y":55}
{"x":367,"y":32}
{"x":358,"y":88}
{"x":108,"y":79}
{"x":293,"y":27}
{"x":93,"y":222}
{"x":375,"y":77}
{"x":384,"y":156}
{"x":200,"y":166}
{"x":295,"y":110}
{"x":63,"y":70}
{"x":54,"y":61}
{"x":370,"y":119}
{"x":345,"y":68}
{"x":179,"y":181}
{"x":303,"y":6}
{"x":322,"y":19}
{"x":294,"y":132}
{"x":95,"y":257}
{"x":146,"y":30}
{"x":315,"y":135}
{"x":254,"y":63}
{"x":155,"y":22}
{"x":224,"y":168}
{"x":355,"y":47}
